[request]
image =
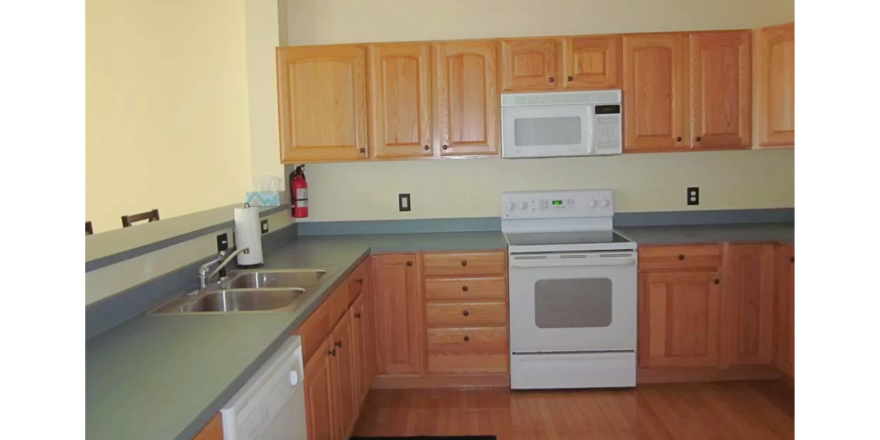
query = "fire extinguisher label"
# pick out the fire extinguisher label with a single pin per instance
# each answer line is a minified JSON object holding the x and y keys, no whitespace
{"x":302,"y":203}
{"x":302,"y":194}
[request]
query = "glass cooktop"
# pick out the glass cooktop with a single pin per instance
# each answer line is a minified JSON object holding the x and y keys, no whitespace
{"x":551,"y":238}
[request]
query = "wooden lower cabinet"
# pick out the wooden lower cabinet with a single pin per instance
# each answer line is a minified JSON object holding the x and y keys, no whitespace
{"x":747,"y":305}
{"x":213,"y":430}
{"x":365,"y":351}
{"x":784,"y":290}
{"x":343,"y":376}
{"x":397,"y":306}
{"x":679,"y":319}
{"x":467,"y":350}
{"x":321,"y":411}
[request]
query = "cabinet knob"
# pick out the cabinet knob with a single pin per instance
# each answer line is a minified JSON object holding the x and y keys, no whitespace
{"x":699,"y":139}
{"x":409,"y":263}
{"x":571,"y":78}
{"x":464,"y":263}
{"x":338,"y":344}
{"x":359,"y":281}
{"x":332,"y":352}
{"x":551,"y":79}
{"x":464,"y":288}
{"x":716,"y":281}
{"x":446,"y":147}
{"x":678,"y":139}
{"x":681,"y":257}
{"x":357,"y":315}
{"x":427,"y":148}
{"x":465,"y":313}
{"x":363,"y":150}
{"x":792,"y":259}
{"x":467,"y":339}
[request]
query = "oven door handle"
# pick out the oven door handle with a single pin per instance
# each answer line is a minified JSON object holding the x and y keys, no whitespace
{"x":574,"y":262}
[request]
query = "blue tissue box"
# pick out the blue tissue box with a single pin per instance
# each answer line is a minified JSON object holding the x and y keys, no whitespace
{"x":264,"y":198}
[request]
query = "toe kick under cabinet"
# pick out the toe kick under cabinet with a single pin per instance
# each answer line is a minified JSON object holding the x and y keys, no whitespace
{"x":442,"y":318}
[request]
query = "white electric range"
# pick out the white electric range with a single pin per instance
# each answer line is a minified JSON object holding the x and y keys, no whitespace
{"x":573,"y":291}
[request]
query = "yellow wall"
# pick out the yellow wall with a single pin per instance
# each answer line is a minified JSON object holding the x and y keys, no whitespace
{"x":471,"y":188}
{"x":166,"y":107}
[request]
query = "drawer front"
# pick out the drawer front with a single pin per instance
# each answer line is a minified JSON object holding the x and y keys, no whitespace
{"x":464,"y":263}
{"x":466,"y":288}
{"x":680,"y":257}
{"x":467,"y":350}
{"x":466,"y":313}
{"x":338,"y":303}
{"x":356,"y":281}
{"x":314,"y":330}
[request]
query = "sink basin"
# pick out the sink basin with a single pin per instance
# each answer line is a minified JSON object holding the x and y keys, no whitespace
{"x":272,"y":278}
{"x":235,"y":301}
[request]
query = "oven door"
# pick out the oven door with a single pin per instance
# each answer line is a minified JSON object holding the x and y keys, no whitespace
{"x":546,"y":131}
{"x":573,"y":301}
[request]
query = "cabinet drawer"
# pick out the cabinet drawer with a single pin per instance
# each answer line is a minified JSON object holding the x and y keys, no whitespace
{"x":356,"y":281}
{"x":317,"y":327}
{"x":464,"y":263}
{"x":465,"y":288}
{"x":680,"y":257}
{"x":467,"y":350}
{"x":466,"y":313}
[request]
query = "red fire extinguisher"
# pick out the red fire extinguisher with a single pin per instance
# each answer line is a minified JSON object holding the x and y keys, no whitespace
{"x":299,"y":193}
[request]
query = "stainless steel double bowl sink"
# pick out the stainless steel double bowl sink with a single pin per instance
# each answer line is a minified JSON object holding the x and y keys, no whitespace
{"x":249,"y":291}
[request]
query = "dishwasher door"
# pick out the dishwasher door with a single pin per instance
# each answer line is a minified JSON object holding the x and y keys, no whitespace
{"x":271,"y":405}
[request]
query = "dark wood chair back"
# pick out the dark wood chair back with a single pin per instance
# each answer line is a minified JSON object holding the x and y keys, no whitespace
{"x":152,"y":216}
{"x":89,"y":230}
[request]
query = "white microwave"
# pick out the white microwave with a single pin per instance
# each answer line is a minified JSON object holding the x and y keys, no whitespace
{"x":561,"y":124}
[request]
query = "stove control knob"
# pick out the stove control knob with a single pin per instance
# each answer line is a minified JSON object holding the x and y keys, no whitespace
{"x":523,"y":205}
{"x":606,"y":203}
{"x":593,"y":204}
{"x":511,"y":206}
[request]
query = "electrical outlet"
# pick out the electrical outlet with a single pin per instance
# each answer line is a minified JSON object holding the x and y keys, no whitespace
{"x":693,"y":195}
{"x":222,"y":242}
{"x":264,"y":225}
{"x":404,"y":202}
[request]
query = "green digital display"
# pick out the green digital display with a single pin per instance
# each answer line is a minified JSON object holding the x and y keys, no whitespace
{"x":557,"y":202}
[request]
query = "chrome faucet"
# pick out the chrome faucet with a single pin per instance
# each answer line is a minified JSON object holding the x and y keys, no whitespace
{"x":222,"y":260}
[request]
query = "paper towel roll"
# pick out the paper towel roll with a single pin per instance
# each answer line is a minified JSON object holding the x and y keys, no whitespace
{"x":248,"y":235}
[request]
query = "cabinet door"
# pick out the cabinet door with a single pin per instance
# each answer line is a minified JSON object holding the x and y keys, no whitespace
{"x":655,"y":92}
{"x":322,"y":103}
{"x":721,"y":90}
{"x":528,"y":64}
{"x":747,"y":322}
{"x":784,"y":266}
{"x":400,"y":100}
{"x":591,"y":62}
{"x":775,"y":73}
{"x":343,"y":376}
{"x":466,"y":97}
{"x":213,"y":430}
{"x":359,"y":317}
{"x":398,"y":314}
{"x":321,"y":409}
{"x":369,"y":329}
{"x":678,"y":315}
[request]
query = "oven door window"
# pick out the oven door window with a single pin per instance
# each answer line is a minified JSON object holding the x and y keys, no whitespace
{"x":529,"y":132}
{"x":573,"y":303}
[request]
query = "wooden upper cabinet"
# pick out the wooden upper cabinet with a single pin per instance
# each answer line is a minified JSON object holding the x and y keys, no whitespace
{"x":747,"y":305}
{"x":678,"y":314}
{"x":775,"y":83}
{"x":400,"y":100}
{"x":655,"y":91}
{"x":529,"y":64}
{"x":322,"y":103}
{"x":397,"y":314}
{"x":721,"y":90}
{"x":466,"y":98}
{"x":591,"y":62}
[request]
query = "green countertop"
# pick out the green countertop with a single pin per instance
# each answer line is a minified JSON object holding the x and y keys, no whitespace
{"x":764,"y":232}
{"x":164,"y":376}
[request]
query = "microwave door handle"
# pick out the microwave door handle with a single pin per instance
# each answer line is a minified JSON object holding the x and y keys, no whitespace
{"x":591,"y":119}
{"x":573,"y":262}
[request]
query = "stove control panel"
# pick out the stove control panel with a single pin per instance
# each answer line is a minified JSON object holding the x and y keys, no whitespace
{"x":557,"y":204}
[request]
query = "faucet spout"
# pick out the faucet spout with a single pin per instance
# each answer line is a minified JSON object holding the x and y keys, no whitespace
{"x":226,"y":261}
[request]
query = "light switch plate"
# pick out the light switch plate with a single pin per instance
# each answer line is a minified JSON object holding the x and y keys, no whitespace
{"x":404,"y":202}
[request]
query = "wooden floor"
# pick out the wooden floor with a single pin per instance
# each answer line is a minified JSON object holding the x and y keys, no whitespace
{"x":724,"y":410}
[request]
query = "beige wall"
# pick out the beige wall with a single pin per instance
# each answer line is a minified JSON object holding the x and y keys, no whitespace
{"x":472,"y":188}
{"x":166,"y":107}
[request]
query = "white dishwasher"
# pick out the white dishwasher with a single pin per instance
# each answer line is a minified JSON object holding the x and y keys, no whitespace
{"x":271,"y":405}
